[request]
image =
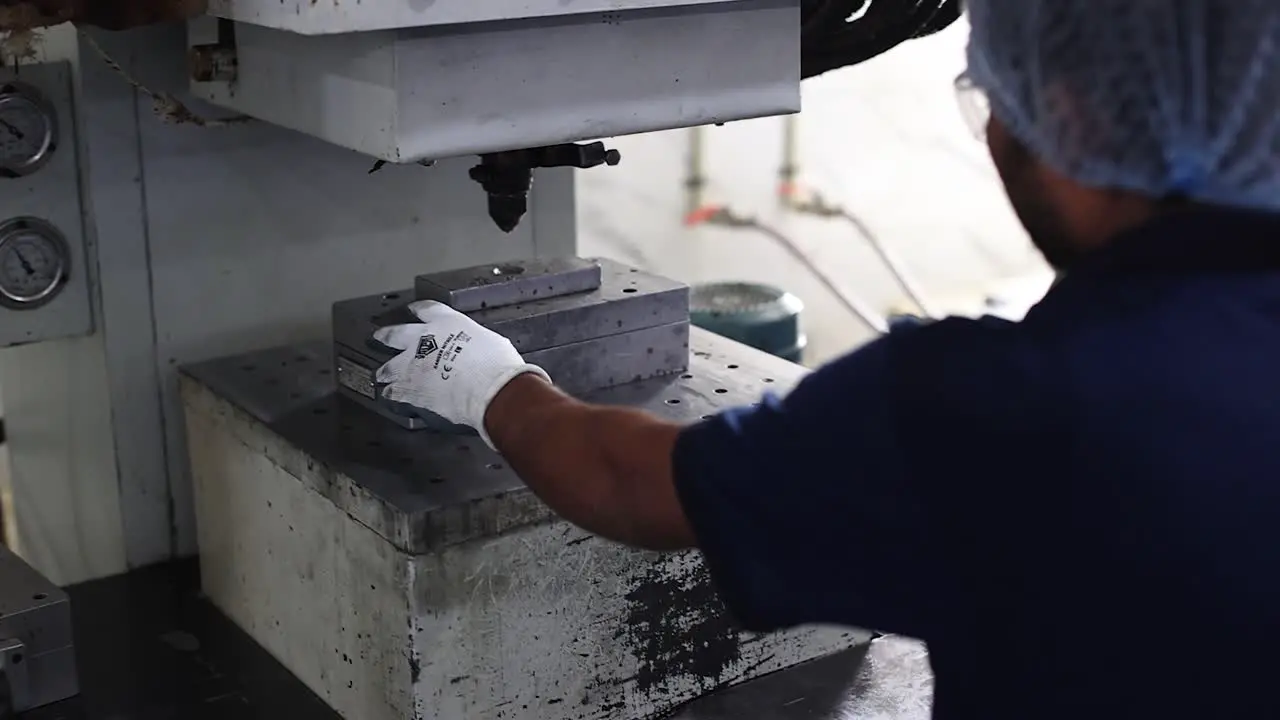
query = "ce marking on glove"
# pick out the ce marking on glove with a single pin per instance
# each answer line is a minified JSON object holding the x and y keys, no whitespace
{"x":449,"y":354}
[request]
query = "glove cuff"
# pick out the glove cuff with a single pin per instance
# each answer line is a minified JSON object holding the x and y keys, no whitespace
{"x":498,"y":384}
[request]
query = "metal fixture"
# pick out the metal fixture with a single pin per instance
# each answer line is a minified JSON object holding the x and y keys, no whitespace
{"x":217,"y":61}
{"x":37,"y":659}
{"x":35,"y":262}
{"x":590,"y":323}
{"x":508,"y":176}
{"x":28,"y":130}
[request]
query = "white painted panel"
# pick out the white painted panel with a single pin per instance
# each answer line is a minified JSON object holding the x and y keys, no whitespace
{"x":343,"y":16}
{"x":432,"y":93}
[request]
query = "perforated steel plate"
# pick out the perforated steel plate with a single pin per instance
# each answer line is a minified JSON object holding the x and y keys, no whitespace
{"x":420,"y":490}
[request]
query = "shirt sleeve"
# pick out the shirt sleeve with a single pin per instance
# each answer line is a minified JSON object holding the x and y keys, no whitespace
{"x":845,"y":502}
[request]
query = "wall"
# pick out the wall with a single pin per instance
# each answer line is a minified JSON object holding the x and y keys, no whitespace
{"x":884,"y":139}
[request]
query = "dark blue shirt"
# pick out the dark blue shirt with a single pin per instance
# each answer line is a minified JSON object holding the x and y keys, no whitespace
{"x":1079,"y":513}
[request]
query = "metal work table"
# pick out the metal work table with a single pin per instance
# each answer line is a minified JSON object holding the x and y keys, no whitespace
{"x":150,"y":648}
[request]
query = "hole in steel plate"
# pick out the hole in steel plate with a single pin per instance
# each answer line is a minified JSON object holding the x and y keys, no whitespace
{"x":40,"y":596}
{"x":707,"y":417}
{"x":302,"y":358}
{"x":673,"y":401}
{"x":464,"y":448}
{"x":391,"y":296}
{"x":721,"y":391}
{"x":628,"y":290}
{"x":732,"y":367}
{"x":17,"y":658}
{"x":686,"y":376}
{"x":494,"y":466}
{"x":768,"y":380}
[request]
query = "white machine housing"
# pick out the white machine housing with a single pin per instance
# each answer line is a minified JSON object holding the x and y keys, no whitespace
{"x":421,"y":80}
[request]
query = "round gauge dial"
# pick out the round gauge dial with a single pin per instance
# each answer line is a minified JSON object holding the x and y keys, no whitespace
{"x":34,"y":263}
{"x":28,"y":130}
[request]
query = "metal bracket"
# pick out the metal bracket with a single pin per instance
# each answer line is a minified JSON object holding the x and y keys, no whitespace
{"x":14,"y":683}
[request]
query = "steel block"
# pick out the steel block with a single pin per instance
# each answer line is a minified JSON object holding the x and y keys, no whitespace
{"x":628,"y":326}
{"x":37,"y":658}
{"x":500,"y":284}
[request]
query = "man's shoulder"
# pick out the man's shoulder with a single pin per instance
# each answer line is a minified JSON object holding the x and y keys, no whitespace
{"x":951,"y":357}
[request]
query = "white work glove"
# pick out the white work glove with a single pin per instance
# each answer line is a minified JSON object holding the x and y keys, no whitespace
{"x":449,"y":365}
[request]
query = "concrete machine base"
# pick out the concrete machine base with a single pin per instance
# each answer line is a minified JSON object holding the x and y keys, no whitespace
{"x":406,"y":573}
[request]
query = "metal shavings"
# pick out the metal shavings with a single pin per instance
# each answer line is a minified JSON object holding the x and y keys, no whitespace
{"x":379,"y":164}
{"x":18,"y":46}
{"x":168,"y":108}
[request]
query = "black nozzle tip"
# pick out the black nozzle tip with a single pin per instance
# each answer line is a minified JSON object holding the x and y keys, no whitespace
{"x":507,"y":210}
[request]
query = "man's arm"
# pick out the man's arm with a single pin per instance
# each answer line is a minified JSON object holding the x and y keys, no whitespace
{"x":605,"y":469}
{"x":817,"y":508}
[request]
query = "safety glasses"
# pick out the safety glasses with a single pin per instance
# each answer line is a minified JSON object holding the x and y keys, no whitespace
{"x":975,"y":107}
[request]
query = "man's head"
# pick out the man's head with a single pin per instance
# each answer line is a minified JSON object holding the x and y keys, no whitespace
{"x":1064,"y":218}
{"x":1106,"y":112}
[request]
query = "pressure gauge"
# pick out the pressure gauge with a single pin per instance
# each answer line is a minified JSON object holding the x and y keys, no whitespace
{"x":28,"y":130}
{"x":34,"y":263}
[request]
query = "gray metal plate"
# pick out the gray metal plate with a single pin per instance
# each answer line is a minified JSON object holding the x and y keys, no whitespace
{"x":576,"y":368}
{"x":499,"y":284}
{"x":628,"y":299}
{"x":422,"y":490}
{"x":37,"y":615}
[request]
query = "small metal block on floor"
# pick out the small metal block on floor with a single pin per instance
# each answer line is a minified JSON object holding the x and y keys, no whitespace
{"x":37,"y":657}
{"x":449,"y":590}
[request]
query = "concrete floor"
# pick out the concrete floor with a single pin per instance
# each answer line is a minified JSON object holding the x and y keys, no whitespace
{"x":884,"y":139}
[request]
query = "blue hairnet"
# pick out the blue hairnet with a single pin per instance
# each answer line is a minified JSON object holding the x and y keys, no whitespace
{"x":1163,"y":97}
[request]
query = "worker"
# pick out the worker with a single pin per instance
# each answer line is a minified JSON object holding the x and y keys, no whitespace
{"x":1078,"y":513}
